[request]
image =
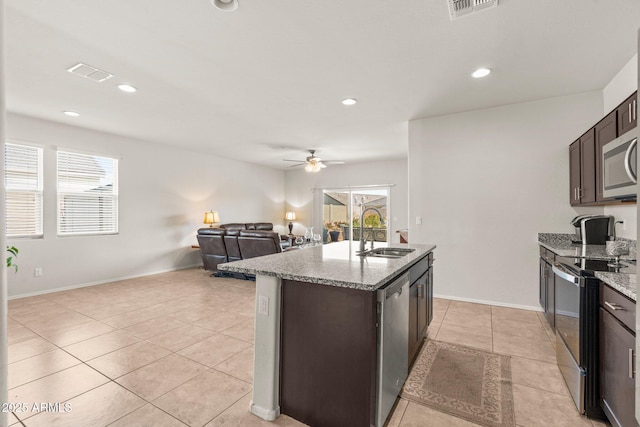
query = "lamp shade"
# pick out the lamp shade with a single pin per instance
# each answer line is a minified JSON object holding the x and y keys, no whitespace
{"x":291,"y":216}
{"x":211,"y":217}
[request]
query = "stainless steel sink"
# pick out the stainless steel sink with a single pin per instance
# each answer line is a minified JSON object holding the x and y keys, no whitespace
{"x":387,"y":252}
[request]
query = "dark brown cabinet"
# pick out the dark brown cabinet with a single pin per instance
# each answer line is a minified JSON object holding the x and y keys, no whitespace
{"x":328,"y":354}
{"x":627,"y":115}
{"x":585,"y":155}
{"x":547,"y":286}
{"x":583,"y":169}
{"x":420,"y":303}
{"x":605,"y":132}
{"x":617,"y":358}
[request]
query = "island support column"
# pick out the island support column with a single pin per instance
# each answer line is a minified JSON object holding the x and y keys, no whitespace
{"x":266,"y":361}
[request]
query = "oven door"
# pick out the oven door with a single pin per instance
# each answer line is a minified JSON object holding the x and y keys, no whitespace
{"x":568,"y":295}
{"x":619,"y":165}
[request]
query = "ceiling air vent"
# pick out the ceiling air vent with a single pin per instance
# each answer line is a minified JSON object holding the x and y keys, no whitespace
{"x":92,"y":73}
{"x":458,"y":8}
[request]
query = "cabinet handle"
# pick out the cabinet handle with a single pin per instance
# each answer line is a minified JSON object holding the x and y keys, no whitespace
{"x":420,"y":295}
{"x":580,"y":195}
{"x":634,"y":109}
{"x":613,"y":306}
{"x":575,"y":193}
{"x":632,"y":372}
{"x":630,"y":113}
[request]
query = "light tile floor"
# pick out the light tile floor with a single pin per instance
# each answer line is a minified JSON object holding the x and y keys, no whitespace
{"x":176,"y":349}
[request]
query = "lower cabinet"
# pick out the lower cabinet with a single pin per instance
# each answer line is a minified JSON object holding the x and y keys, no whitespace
{"x":617,"y":358}
{"x":420,"y":303}
{"x":547,"y":286}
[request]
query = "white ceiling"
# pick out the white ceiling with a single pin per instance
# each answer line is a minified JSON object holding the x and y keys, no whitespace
{"x":271,"y":75}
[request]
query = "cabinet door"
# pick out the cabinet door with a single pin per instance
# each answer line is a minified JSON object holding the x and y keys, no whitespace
{"x":422,"y":305}
{"x":587,"y":193}
{"x":543,"y":285}
{"x":627,"y":115}
{"x":605,"y":132}
{"x":549,"y":313}
{"x":429,"y":297}
{"x":414,"y":339}
{"x":617,"y":379}
{"x":574,"y":172}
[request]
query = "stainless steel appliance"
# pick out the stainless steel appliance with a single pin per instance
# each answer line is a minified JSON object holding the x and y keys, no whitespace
{"x":577,"y":339}
{"x":393,"y":344}
{"x":619,"y":166}
{"x":593,"y":229}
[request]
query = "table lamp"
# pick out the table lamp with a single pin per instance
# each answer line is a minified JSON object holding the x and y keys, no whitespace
{"x":211,"y":218}
{"x":290,"y":216}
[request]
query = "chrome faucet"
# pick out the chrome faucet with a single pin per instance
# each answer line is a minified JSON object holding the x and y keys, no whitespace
{"x":363,"y":242}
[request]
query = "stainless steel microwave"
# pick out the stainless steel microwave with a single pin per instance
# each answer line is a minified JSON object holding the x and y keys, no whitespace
{"x":619,"y":166}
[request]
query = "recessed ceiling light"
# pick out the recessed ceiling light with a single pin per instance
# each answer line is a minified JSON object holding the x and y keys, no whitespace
{"x":71,"y":113}
{"x":226,"y":5}
{"x":481,"y":72}
{"x":127,"y":88}
{"x":349,"y":101}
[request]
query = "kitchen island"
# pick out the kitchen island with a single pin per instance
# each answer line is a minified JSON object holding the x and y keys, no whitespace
{"x":317,"y":333}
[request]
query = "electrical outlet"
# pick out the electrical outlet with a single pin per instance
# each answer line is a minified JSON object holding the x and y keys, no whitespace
{"x":418,"y":220}
{"x":263,"y":305}
{"x":37,"y":272}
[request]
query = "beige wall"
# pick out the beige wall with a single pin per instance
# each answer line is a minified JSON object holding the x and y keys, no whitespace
{"x":164,"y":193}
{"x":486,"y":183}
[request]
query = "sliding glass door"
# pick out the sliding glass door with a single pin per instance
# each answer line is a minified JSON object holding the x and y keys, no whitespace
{"x":342,"y":211}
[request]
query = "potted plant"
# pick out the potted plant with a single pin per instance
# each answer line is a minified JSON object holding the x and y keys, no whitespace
{"x":12,"y":252}
{"x":334,"y":230}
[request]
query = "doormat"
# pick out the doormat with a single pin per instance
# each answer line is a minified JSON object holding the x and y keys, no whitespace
{"x":464,"y":382}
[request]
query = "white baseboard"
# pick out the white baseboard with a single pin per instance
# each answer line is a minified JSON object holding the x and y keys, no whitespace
{"x":496,"y":303}
{"x":100,"y":282}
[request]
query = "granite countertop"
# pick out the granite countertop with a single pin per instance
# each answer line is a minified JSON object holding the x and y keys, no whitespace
{"x":561,"y":244}
{"x":623,"y":283}
{"x":333,"y":264}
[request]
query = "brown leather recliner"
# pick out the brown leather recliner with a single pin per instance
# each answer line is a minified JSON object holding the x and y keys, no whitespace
{"x":212,"y":247}
{"x":233,"y":242}
{"x":255,"y":243}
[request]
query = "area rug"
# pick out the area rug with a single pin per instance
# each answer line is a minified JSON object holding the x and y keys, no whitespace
{"x":463,"y":381}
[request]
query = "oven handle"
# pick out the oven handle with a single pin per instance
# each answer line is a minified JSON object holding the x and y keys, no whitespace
{"x":559,"y":271}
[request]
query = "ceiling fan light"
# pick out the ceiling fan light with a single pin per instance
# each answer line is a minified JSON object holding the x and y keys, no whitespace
{"x":308,"y":167}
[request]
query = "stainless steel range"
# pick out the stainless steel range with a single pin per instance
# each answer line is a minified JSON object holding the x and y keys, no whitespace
{"x":576,"y":316}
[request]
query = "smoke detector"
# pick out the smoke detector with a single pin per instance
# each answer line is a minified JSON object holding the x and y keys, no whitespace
{"x":458,"y":8}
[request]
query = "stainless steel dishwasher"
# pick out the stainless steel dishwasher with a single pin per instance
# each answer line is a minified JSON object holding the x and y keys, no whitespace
{"x":393,"y":344}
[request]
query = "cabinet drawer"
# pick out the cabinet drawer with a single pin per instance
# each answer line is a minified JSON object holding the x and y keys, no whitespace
{"x":419,"y":268}
{"x":547,"y":255}
{"x":620,"y":307}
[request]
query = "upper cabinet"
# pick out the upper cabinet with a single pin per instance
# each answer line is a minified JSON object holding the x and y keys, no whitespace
{"x":627,"y":114}
{"x":605,"y":131}
{"x":585,"y":155}
{"x":583,"y":169}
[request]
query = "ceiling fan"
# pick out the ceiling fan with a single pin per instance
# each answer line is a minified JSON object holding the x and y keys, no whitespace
{"x":313,"y":163}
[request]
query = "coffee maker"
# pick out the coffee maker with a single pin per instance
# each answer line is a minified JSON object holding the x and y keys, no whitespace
{"x":593,"y":229}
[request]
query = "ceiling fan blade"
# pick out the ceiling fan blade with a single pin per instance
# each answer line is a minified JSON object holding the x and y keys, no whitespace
{"x":297,"y":164}
{"x":297,"y":161}
{"x":333,"y":162}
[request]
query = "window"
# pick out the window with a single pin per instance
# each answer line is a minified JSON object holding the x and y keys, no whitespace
{"x":23,"y":186}
{"x":87,"y":194}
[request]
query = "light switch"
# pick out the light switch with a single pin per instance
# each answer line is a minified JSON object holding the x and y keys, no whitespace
{"x":418,"y":220}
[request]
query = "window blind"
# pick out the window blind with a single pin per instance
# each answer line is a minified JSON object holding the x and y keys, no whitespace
{"x":87,"y":194}
{"x":23,"y":190}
